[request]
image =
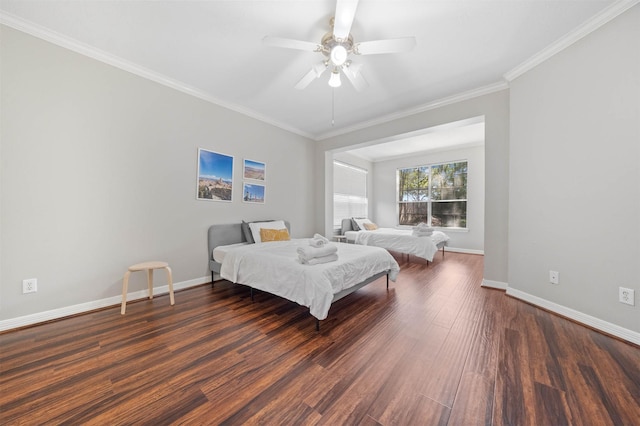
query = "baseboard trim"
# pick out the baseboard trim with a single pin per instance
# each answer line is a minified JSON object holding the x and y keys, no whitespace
{"x":588,"y":320}
{"x":59,"y":313}
{"x":494,"y":284}
{"x":463,"y":250}
{"x":569,"y":313}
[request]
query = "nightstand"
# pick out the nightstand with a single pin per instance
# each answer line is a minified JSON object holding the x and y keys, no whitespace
{"x":340,"y":238}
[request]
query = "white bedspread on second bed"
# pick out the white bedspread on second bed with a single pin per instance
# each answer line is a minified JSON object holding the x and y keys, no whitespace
{"x":401,"y":241}
{"x":274,"y":267}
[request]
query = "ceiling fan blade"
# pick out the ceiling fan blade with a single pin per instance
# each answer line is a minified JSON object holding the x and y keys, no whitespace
{"x":289,"y":43}
{"x":355,"y":77}
{"x":319,"y":68}
{"x":345,"y":12}
{"x":306,"y":80}
{"x":313,"y":73}
{"x":393,"y":45}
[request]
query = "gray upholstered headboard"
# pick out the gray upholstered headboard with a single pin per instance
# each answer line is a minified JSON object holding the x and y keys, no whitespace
{"x":345,"y":226}
{"x":225,"y":234}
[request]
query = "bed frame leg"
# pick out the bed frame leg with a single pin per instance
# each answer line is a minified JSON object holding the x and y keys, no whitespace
{"x":211,"y":279}
{"x":387,"y":281}
{"x":317,"y":324}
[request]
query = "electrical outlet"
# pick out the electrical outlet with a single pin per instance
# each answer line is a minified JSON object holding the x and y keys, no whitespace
{"x":30,"y":285}
{"x":626,"y":295}
{"x":554,"y":277}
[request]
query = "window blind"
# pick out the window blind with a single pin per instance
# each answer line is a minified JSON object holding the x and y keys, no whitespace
{"x":349,"y":192}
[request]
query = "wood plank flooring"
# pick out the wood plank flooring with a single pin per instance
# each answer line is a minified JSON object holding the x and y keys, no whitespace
{"x":435,"y":349}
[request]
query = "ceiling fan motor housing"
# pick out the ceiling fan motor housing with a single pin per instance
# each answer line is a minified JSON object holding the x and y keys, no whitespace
{"x":336,"y":50}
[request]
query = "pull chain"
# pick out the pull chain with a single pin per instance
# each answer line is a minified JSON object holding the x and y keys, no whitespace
{"x":333,"y":106}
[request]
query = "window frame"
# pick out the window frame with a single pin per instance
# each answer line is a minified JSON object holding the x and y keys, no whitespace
{"x":429,"y":198}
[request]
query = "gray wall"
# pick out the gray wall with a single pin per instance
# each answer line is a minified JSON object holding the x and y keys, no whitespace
{"x":575,"y":174}
{"x":385,"y":190}
{"x":99,"y":172}
{"x":495,"y":109}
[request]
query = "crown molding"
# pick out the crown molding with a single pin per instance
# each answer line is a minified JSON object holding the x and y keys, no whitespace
{"x":115,"y":61}
{"x":567,"y":40}
{"x":464,"y":96}
{"x":46,"y":34}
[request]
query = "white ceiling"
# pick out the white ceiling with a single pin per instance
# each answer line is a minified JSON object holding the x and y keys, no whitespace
{"x":213,"y":49}
{"x":460,"y":134}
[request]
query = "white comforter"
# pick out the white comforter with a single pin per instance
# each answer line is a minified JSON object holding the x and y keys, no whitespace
{"x":274,"y":267}
{"x":401,"y":241}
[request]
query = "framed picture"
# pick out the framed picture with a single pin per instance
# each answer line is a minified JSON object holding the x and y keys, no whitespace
{"x":215,"y":176}
{"x":255,"y":170}
{"x":253,"y":193}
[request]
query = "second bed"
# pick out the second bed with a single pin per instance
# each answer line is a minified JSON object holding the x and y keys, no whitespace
{"x":397,"y":240}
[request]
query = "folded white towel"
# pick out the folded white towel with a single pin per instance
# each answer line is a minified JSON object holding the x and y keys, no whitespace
{"x":318,"y":241}
{"x":309,"y":252}
{"x":421,"y":226}
{"x":319,"y":260}
{"x":320,"y":237}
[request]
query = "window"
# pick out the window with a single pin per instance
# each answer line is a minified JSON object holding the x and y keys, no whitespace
{"x":436,"y":195}
{"x":349,"y":192}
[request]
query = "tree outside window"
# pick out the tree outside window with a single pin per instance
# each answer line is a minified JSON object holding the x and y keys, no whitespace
{"x":436,"y":195}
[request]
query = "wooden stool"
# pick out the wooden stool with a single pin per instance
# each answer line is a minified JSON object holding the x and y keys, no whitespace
{"x":149,"y":267}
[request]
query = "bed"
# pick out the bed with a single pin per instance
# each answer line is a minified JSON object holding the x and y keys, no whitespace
{"x":397,"y":240}
{"x":274,"y":267}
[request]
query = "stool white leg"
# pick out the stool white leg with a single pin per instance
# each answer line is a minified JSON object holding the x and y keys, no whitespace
{"x":150,"y":282}
{"x":125,"y":286}
{"x":170,"y":279}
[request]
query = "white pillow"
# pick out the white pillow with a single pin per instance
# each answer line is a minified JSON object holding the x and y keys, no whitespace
{"x":256,"y":226}
{"x":361,"y":222}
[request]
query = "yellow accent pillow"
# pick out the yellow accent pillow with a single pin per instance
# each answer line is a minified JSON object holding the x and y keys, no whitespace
{"x":370,"y":226}
{"x":267,"y":235}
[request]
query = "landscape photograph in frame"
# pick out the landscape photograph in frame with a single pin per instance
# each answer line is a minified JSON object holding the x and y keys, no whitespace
{"x":215,"y":176}
{"x":253,"y":193}
{"x":255,"y":170}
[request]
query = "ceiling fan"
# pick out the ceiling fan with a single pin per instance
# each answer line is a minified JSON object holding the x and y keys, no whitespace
{"x":337,"y":45}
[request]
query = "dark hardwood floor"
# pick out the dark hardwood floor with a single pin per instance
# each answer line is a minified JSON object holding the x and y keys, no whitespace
{"x":435,"y":349}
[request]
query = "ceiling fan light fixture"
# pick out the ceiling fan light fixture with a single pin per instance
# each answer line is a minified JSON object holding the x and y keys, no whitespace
{"x":338,"y":55}
{"x":334,"y":80}
{"x":337,"y":45}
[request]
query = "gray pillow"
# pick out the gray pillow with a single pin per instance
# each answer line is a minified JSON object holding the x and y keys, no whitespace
{"x":354,"y":224}
{"x":246,"y":231}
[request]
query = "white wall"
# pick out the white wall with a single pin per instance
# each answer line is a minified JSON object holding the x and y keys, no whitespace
{"x":495,"y":108}
{"x":575,"y":175}
{"x":99,"y":172}
{"x":385,"y":190}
